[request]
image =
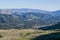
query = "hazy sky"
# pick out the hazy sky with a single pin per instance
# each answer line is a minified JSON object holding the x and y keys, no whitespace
{"x":49,"y":5}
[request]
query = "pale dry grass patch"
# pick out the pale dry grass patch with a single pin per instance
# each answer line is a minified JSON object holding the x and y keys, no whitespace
{"x":23,"y":34}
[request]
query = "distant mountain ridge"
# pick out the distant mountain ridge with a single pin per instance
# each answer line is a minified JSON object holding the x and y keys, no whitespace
{"x":27,"y":18}
{"x":9,"y":11}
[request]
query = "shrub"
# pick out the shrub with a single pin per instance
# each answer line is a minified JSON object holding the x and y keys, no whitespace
{"x":1,"y":36}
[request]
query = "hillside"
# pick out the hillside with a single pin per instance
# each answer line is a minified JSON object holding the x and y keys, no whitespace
{"x":27,"y":34}
{"x":27,"y":18}
{"x":53,"y":27}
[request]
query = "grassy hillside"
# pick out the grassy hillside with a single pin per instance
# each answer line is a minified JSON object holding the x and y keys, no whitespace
{"x":24,"y":34}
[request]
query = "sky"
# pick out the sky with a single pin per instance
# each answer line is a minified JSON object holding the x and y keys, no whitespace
{"x":47,"y":5}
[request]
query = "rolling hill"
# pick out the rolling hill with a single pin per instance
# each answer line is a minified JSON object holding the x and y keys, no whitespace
{"x":27,"y":18}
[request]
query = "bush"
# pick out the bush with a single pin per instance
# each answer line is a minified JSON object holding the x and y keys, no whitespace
{"x":1,"y":36}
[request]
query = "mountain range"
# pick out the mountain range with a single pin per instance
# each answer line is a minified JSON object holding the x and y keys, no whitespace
{"x":27,"y":18}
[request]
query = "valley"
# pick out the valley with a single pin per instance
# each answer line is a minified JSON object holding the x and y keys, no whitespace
{"x":29,"y":24}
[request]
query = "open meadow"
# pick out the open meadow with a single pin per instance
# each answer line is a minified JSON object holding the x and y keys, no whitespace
{"x":23,"y":34}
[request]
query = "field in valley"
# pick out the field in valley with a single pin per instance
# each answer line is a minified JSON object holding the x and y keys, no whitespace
{"x":23,"y":34}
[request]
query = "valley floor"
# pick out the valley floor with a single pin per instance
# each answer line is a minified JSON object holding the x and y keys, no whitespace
{"x":23,"y":34}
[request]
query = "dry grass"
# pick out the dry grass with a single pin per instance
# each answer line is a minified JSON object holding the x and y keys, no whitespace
{"x":24,"y":34}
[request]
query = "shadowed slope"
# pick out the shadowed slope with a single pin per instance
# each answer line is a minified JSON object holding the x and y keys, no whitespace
{"x":52,"y":36}
{"x":53,"y":27}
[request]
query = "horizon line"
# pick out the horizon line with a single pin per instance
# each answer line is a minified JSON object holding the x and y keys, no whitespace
{"x":30,"y":8}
